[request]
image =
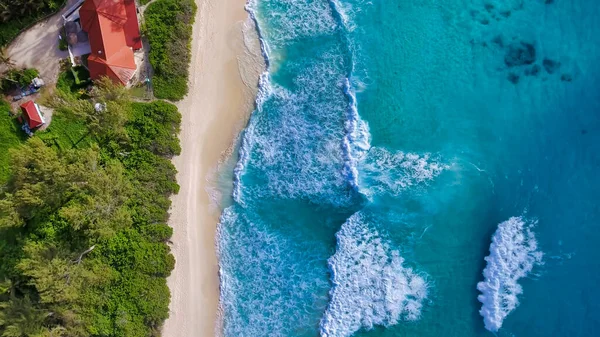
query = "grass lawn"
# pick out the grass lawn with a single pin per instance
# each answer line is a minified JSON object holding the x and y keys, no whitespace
{"x":66,"y":133}
{"x":140,"y":93}
{"x":10,"y":136}
{"x":63,"y":133}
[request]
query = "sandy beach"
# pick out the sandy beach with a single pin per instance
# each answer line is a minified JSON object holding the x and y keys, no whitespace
{"x":223,"y":77}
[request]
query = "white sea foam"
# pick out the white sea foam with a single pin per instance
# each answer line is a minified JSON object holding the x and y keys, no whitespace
{"x":345,"y":11}
{"x":296,"y":138}
{"x":357,"y":140}
{"x":371,"y":286}
{"x":513,"y":254}
{"x":248,"y":136}
{"x":297,"y":145}
{"x":264,"y":92}
{"x":264,"y":46}
{"x":267,"y":279}
{"x":289,"y":20}
{"x":386,"y":172}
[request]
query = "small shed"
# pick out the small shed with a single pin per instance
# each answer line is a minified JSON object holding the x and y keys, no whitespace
{"x":32,"y":114}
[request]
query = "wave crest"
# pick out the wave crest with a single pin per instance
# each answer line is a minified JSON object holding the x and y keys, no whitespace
{"x":357,"y":140}
{"x":290,"y":20}
{"x":513,"y":253}
{"x":292,"y":144}
{"x":248,"y":137}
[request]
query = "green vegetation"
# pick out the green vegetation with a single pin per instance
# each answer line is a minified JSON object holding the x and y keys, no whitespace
{"x":9,"y":138}
{"x":82,"y":220}
{"x":140,"y":91}
{"x":17,"y":78}
{"x":62,"y":42}
{"x":16,"y":15}
{"x":74,"y":80}
{"x":66,"y":133}
{"x":168,"y":25}
{"x":152,"y":126}
{"x":80,"y":74}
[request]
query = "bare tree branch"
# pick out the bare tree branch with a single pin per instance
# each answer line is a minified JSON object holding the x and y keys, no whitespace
{"x":78,"y":261}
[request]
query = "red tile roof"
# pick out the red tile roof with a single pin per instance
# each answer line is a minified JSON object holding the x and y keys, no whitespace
{"x":113,"y":30}
{"x":132,"y":27}
{"x":32,"y":115}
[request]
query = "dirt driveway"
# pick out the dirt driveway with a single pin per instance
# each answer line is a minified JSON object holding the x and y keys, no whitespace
{"x":38,"y":47}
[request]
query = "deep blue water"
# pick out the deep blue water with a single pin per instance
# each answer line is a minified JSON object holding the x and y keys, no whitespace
{"x":393,"y":140}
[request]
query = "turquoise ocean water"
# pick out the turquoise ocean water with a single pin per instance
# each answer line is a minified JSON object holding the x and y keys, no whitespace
{"x":418,"y":168}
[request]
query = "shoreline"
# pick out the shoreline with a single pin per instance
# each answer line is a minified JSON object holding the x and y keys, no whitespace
{"x":224,"y":73}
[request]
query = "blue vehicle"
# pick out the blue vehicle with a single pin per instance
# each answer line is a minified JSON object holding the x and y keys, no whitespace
{"x":34,"y":87}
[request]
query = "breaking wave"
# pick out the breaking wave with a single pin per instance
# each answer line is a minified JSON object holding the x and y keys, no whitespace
{"x":248,"y":136}
{"x":264,"y":46}
{"x":293,"y":137}
{"x":306,"y":141}
{"x":357,"y":139}
{"x":290,"y":20}
{"x":513,"y":254}
{"x":297,"y":150}
{"x":371,"y":286}
{"x":294,"y":142}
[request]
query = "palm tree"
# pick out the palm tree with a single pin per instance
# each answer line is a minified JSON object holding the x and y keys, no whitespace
{"x":5,"y":59}
{"x":6,"y":12}
{"x":29,"y":7}
{"x":19,"y":8}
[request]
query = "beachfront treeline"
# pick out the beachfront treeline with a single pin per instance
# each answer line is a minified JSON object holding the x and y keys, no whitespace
{"x":83,"y":227}
{"x":168,"y":27}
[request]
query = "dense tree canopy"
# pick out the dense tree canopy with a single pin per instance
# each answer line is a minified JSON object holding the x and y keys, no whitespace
{"x":82,"y":231}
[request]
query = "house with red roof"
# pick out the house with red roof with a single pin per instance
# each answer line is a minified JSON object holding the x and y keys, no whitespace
{"x":114,"y":33}
{"x":32,"y":115}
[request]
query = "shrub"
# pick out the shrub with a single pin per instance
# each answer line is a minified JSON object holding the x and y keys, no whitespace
{"x":168,"y":25}
{"x":28,"y":75}
{"x":62,"y":41}
{"x":157,"y":232}
{"x":18,"y":77}
{"x":154,"y":126}
{"x":74,"y":81}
